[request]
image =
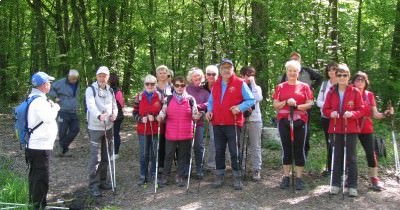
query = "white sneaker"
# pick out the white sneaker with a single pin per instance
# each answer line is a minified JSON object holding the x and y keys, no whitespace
{"x":116,"y":156}
{"x":353,"y":192}
{"x":334,"y":190}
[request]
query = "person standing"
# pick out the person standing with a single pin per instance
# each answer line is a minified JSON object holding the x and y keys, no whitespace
{"x":330,"y":74}
{"x":211,"y":77}
{"x":66,"y":91}
{"x":119,"y":98}
{"x":102,"y":112}
{"x":41,"y":141}
{"x":344,"y":105}
{"x":366,"y":135}
{"x":195,"y":77}
{"x":253,"y":121}
{"x":179,"y":111}
{"x":298,"y":95}
{"x":146,"y":107}
{"x":229,"y":98}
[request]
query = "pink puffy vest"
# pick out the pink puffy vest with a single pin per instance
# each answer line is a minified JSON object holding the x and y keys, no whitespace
{"x":179,"y":123}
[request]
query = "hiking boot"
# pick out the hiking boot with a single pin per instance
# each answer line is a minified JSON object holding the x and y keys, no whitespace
{"x":141,"y":181}
{"x":326,"y":173}
{"x":285,"y":182}
{"x":163,"y":180}
{"x":59,"y":151}
{"x":299,"y":184}
{"x":376,"y":184}
{"x":334,"y":190}
{"x":106,"y":186}
{"x":237,"y":182}
{"x":218,"y":181}
{"x":95,"y":193}
{"x":199,"y":175}
{"x":179,"y":180}
{"x":256,"y":176}
{"x":353,"y":192}
{"x":67,"y":153}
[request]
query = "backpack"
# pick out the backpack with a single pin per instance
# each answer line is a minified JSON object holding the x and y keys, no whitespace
{"x":85,"y":109}
{"x":323,"y":88}
{"x":380,"y":146}
{"x":120,"y":115}
{"x":22,"y":131}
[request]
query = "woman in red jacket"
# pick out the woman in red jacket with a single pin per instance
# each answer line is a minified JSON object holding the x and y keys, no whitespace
{"x":146,"y":106}
{"x":179,"y":110}
{"x":293,"y":93}
{"x":366,"y":136}
{"x":344,"y":105}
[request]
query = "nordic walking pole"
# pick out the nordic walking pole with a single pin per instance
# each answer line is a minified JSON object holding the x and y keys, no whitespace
{"x":333,"y":152}
{"x":108,"y":157}
{"x":344,"y":156}
{"x":158,"y":147}
{"x":244,"y":144}
{"x":113,"y":155}
{"x":202,"y":160}
{"x":292,"y":143}
{"x":395,"y":150}
{"x":237,"y":151}
{"x":152,"y":152}
{"x":145,"y":152}
{"x":191,"y":157}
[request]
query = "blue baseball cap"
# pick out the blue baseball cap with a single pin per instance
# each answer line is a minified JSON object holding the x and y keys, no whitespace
{"x":225,"y":60}
{"x":40,"y":78}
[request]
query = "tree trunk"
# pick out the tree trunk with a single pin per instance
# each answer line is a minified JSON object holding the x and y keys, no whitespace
{"x":62,"y":46}
{"x":334,"y":32}
{"x":394,"y":71}
{"x":214,"y":55}
{"x":201,"y":56}
{"x":358,"y":54}
{"x":112,"y":32}
{"x":39,"y":38}
{"x":88,"y":35}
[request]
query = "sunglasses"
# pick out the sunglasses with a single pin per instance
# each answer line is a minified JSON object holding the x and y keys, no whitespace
{"x":150,"y":84}
{"x":360,"y":80}
{"x":211,"y":74}
{"x":180,"y":85}
{"x":342,"y":75}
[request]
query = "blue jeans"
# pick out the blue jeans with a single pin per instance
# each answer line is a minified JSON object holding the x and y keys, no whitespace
{"x":147,"y":151}
{"x":117,"y":137}
{"x":68,"y":128}
{"x":224,"y":134}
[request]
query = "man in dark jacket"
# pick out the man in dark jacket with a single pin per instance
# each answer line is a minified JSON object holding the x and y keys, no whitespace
{"x":66,"y":91}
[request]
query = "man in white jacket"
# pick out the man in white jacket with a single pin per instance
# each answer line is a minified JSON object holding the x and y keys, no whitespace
{"x":41,"y":140}
{"x":102,"y":112}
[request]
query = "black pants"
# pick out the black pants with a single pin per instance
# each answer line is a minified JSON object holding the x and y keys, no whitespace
{"x":161,"y":149}
{"x":117,"y":136}
{"x":38,"y":176}
{"x":367,"y":141}
{"x":351,"y":160}
{"x":68,"y":128}
{"x":325,"y":127}
{"x":299,"y":142}
{"x":223,"y":135}
{"x":183,"y":155}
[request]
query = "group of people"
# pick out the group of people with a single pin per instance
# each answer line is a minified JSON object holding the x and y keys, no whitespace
{"x":175,"y":114}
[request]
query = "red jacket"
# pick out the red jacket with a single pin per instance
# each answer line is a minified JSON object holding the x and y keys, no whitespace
{"x":365,"y":122}
{"x":352,"y":101}
{"x":143,"y":107}
{"x":232,"y":97}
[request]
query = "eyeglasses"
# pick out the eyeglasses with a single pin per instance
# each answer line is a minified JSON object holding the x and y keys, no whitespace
{"x":342,"y":75}
{"x":360,"y":80}
{"x":250,"y":75}
{"x":180,"y":85}
{"x":150,"y":84}
{"x":102,"y":93}
{"x":211,"y":74}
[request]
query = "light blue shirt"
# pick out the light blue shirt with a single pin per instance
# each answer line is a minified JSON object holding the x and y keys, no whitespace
{"x":248,"y":98}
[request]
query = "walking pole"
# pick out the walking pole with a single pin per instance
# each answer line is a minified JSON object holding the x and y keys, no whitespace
{"x":237,"y":151}
{"x":113,"y":155}
{"x":333,"y":152}
{"x":344,"y":157}
{"x":191,"y":157}
{"x":108,"y":157}
{"x":145,"y":154}
{"x":244,"y":144}
{"x":292,"y":144}
{"x":395,"y":150}
{"x":152,"y":152}
{"x":158,"y":147}
{"x":202,"y":160}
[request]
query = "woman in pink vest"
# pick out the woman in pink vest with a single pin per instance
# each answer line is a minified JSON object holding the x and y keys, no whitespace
{"x":179,"y":111}
{"x":366,"y":135}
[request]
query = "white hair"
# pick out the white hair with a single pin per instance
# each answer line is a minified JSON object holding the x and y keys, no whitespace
{"x":161,"y":68}
{"x":294,"y":64}
{"x":150,"y":78}
{"x":194,"y":71}
{"x":212,"y":69}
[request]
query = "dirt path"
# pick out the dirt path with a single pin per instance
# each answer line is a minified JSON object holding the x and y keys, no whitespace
{"x":69,"y":181}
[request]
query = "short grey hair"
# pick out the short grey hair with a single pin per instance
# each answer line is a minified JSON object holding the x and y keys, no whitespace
{"x":212,"y":69}
{"x":161,"y":68}
{"x":150,"y":78}
{"x":294,"y":64}
{"x":194,"y":71}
